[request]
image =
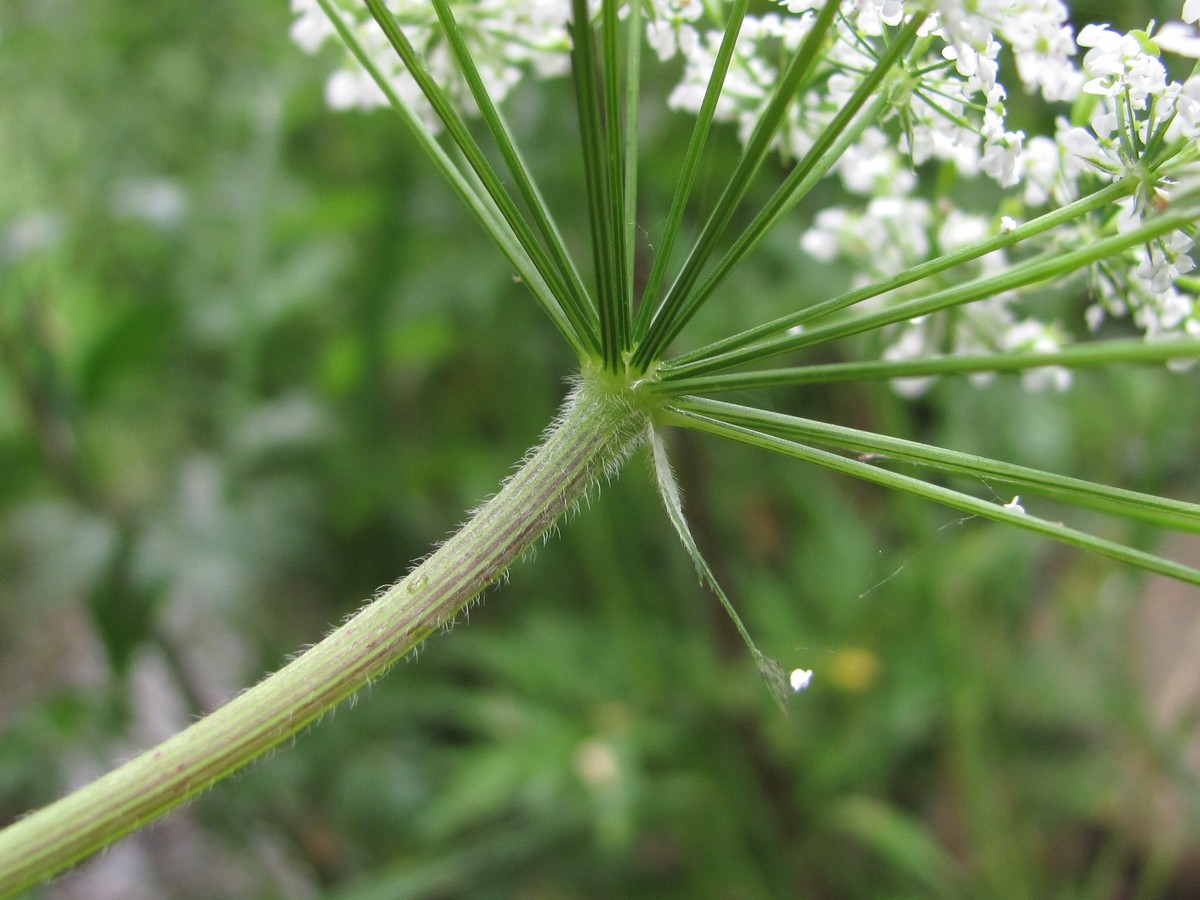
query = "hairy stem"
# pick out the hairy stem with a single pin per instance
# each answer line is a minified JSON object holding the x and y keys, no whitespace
{"x":597,"y":429}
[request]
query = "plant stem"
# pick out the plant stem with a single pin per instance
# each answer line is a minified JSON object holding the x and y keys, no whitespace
{"x":599,"y":426}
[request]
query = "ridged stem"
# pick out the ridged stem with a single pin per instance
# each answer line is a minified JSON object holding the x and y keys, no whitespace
{"x":597,"y":429}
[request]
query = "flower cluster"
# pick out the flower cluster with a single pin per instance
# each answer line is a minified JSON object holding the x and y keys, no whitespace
{"x":893,"y":233}
{"x":946,"y":96}
{"x":944,"y":106}
{"x":506,"y":39}
{"x":1132,"y":122}
{"x":1142,"y":125}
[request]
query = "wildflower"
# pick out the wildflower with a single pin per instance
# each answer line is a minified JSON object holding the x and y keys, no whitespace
{"x":800,"y":679}
{"x":671,"y":27}
{"x":1176,"y":38}
{"x":311,"y":28}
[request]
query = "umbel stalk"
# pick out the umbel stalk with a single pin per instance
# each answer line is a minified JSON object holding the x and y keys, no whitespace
{"x":599,"y":426}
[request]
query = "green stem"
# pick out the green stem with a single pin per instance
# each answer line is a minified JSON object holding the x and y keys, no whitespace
{"x":1045,"y":267}
{"x":597,"y":429}
{"x":1073,"y":356}
{"x":665,"y":323}
{"x":693,"y":360}
{"x":474,"y":194}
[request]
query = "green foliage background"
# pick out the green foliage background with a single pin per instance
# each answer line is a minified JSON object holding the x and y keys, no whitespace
{"x":254,"y":361}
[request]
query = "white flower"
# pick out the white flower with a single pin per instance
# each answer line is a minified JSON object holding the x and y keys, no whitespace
{"x":1033,"y":335}
{"x":975,"y":62}
{"x":1037,"y":31}
{"x":1191,"y":11}
{"x":913,"y":344}
{"x":1186,"y":123}
{"x":669,"y":27}
{"x":1177,"y":38}
{"x":887,"y":237}
{"x":891,"y":12}
{"x":960,"y":228}
{"x":507,"y":40}
{"x":1041,"y":170}
{"x":353,"y":89}
{"x":661,"y":37}
{"x":1014,"y":505}
{"x":821,"y":241}
{"x":1166,"y":261}
{"x":311,"y":27}
{"x":1001,"y":156}
{"x":800,"y":679}
{"x":1119,"y":65}
{"x":1083,"y":151}
{"x":873,"y":167}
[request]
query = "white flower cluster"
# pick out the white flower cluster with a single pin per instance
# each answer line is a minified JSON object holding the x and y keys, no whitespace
{"x":672,"y":27}
{"x":507,"y":40}
{"x":752,"y":76}
{"x":945,"y":104}
{"x":894,"y":233}
{"x":1141,"y":124}
{"x":1144,"y":125}
{"x":947,"y":100}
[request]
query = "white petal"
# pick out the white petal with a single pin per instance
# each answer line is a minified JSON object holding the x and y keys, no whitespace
{"x":800,"y":679}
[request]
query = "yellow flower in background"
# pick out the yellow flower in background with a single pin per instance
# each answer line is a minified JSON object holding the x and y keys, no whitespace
{"x":854,"y":669}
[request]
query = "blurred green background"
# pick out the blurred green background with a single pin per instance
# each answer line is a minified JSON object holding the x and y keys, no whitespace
{"x":254,"y":360}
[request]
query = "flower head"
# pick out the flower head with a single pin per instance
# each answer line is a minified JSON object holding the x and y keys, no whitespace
{"x":800,"y":679}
